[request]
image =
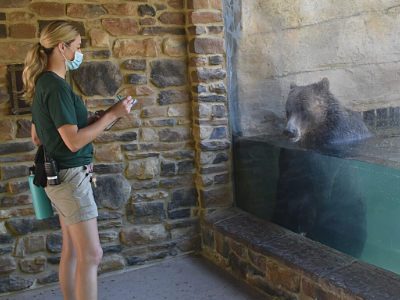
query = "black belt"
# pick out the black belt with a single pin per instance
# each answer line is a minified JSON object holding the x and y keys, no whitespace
{"x":64,"y":168}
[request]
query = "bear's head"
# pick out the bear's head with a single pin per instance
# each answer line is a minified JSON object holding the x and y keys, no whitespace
{"x":306,"y":109}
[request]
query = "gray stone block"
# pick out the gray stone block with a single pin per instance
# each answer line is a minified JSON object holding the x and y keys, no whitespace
{"x":180,"y":214}
{"x":146,"y":9}
{"x":14,"y":283}
{"x":161,"y":6}
{"x":186,"y":167}
{"x":108,"y":168}
{"x":174,"y":135}
{"x":218,"y":111}
{"x":210,"y":74}
{"x":216,"y":60}
{"x":107,"y":236}
{"x":221,"y":157}
{"x":7,"y":265}
{"x":14,"y":171}
{"x":6,"y":239}
{"x":199,"y":89}
{"x":168,"y":72}
{"x":216,"y":145}
{"x":98,"y":78}
{"x":155,"y":210}
{"x":161,"y":30}
{"x":130,"y":147}
{"x":167,"y":168}
{"x":28,"y":225}
{"x":4,"y":250}
{"x":3,"y":31}
{"x":9,"y":148}
{"x":109,"y":215}
{"x":137,"y":78}
{"x":135,"y":64}
{"x":113,"y":249}
{"x":112,"y":191}
{"x":219,"y":133}
{"x":218,"y":88}
{"x":173,"y":96}
{"x":33,"y":264}
{"x":16,"y":200}
{"x":184,"y":197}
{"x":49,"y":277}
{"x":54,"y":242}
{"x":211,"y":98}
{"x":55,"y":260}
{"x":208,"y":237}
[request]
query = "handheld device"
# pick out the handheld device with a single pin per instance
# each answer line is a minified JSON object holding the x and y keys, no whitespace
{"x":50,"y":166}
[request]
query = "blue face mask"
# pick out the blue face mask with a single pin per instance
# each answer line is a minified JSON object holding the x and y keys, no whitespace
{"x":73,"y":64}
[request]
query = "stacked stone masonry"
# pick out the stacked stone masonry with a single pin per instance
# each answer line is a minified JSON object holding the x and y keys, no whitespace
{"x":160,"y":167}
{"x":283,"y":265}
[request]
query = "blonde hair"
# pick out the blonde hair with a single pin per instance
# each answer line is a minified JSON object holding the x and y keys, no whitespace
{"x":36,"y":60}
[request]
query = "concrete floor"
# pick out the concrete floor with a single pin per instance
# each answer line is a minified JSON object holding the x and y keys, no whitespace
{"x":182,"y":278}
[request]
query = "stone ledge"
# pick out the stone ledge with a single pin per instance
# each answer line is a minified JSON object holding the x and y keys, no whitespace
{"x":329,"y":271}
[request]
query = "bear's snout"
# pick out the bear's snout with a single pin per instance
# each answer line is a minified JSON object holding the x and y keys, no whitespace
{"x":292,"y":132}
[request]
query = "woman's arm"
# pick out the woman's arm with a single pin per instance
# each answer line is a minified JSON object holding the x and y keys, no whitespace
{"x":34,"y":136}
{"x":76,"y":138}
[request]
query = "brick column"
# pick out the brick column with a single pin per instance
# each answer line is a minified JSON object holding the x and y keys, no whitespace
{"x":207,"y":68}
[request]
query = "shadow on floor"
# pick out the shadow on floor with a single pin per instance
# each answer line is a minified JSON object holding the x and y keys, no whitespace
{"x":182,"y":278}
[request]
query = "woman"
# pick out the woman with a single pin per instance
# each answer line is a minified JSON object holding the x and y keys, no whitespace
{"x":60,"y":122}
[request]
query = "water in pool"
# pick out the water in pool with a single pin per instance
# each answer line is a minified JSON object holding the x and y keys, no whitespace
{"x":347,"y":198}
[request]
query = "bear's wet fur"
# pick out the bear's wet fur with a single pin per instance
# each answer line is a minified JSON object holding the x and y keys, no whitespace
{"x":316,"y":117}
{"x":320,"y":196}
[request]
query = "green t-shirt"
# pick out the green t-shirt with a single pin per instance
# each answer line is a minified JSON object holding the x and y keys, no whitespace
{"x":56,"y":104}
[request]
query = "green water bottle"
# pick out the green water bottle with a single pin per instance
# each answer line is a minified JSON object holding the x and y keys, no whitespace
{"x":41,"y":203}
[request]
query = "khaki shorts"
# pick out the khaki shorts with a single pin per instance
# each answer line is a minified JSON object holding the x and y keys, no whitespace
{"x":73,"y":198}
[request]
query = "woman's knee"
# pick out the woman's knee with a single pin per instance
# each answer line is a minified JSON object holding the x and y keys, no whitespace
{"x":99,"y":255}
{"x":92,"y":256}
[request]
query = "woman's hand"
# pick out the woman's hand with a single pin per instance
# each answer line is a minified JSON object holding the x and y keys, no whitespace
{"x":97,"y":115}
{"x":93,"y":117}
{"x":121,"y":108}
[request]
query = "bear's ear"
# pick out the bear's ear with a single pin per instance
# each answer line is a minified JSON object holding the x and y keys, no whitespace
{"x":324,"y":84}
{"x":293,"y":85}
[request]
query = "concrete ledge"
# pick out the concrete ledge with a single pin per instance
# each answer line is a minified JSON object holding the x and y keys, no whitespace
{"x":287,"y":265}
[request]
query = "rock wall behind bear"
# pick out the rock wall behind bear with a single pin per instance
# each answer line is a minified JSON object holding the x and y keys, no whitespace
{"x":354,"y":43}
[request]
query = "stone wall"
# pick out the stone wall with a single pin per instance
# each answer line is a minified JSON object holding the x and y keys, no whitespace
{"x":283,"y":265}
{"x":353,"y":43}
{"x":160,"y":167}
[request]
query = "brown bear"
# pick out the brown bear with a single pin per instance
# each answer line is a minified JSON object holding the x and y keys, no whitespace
{"x":318,"y":195}
{"x":316,"y":117}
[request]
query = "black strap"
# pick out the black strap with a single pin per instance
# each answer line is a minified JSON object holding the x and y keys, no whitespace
{"x":40,"y":173}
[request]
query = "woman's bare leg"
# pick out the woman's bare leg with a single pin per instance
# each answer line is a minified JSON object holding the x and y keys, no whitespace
{"x":85,"y":237}
{"x":67,"y":267}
